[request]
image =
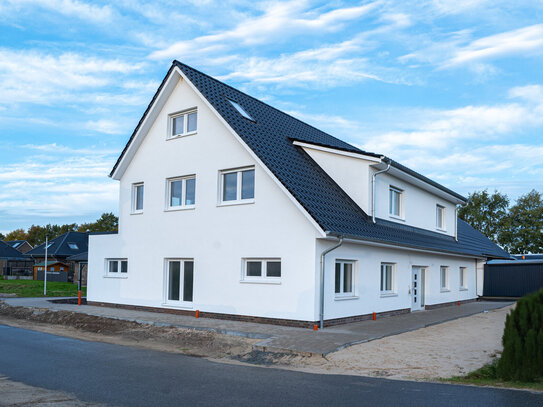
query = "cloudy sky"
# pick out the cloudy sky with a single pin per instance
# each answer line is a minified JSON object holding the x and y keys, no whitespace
{"x":450,"y":88}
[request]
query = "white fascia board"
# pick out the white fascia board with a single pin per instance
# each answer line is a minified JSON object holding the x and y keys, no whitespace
{"x":148,"y":121}
{"x":396,"y":172}
{"x":336,"y":151}
{"x":407,"y":248}
{"x":252,"y":153}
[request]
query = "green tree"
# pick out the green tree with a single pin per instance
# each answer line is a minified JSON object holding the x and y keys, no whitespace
{"x":108,"y":222}
{"x":17,"y":234}
{"x":487,"y":213}
{"x":2,"y":236}
{"x":523,"y":226}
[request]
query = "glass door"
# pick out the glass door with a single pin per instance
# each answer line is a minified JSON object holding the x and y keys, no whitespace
{"x":179,"y":281}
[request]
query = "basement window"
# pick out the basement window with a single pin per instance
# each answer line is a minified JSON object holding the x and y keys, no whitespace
{"x":241,"y":110}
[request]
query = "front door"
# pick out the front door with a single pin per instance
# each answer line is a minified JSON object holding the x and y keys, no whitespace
{"x":417,"y":289}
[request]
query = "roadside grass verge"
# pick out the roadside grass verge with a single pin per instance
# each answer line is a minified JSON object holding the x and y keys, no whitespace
{"x":32,"y":288}
{"x":486,"y":376}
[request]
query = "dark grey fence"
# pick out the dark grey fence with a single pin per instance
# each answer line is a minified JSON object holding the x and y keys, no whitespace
{"x":512,"y":279}
{"x":61,"y":276}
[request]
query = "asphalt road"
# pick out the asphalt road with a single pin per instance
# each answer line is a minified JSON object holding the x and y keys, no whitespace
{"x":126,"y":376}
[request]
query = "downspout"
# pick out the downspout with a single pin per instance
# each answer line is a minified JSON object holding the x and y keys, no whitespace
{"x":323,"y":254}
{"x":373,"y":190}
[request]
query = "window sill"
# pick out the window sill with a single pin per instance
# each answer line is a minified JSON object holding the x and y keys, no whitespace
{"x":463,"y":288}
{"x":347,"y":297}
{"x":445,"y":290}
{"x":180,"y":208}
{"x":177,"y":306}
{"x":386,"y":295}
{"x":441,"y":230}
{"x":192,"y":133}
{"x":136,"y":213}
{"x":396,"y":217}
{"x":232,"y":203}
{"x":263,"y":281}
{"x":114,"y":276}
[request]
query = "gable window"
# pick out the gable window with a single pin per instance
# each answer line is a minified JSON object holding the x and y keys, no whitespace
{"x":463,"y":278}
{"x":73,"y":246}
{"x":182,"y":192}
{"x":116,"y":267}
{"x":395,"y":202}
{"x":440,"y":217}
{"x":444,"y":278}
{"x":344,"y":278}
{"x":137,"y":197}
{"x":183,"y":124}
{"x":388,"y":276}
{"x":237,"y":186}
{"x":261,"y":269}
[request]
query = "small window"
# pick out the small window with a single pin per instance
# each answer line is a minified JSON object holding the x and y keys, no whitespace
{"x":137,"y":197}
{"x":237,"y":186}
{"x":395,"y":205}
{"x":16,"y":244}
{"x":344,"y":278}
{"x":116,"y":267}
{"x":444,"y":278}
{"x":440,"y":217}
{"x":49,"y":245}
{"x":62,"y":269}
{"x":388,"y":271}
{"x":241,"y":110}
{"x":463,"y":278}
{"x":183,"y":124}
{"x":262,"y":269}
{"x":73,"y":246}
{"x":182,"y":192}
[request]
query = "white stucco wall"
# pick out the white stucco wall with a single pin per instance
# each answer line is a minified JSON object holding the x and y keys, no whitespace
{"x":419,"y":205}
{"x":368,"y":296}
{"x":216,"y":237}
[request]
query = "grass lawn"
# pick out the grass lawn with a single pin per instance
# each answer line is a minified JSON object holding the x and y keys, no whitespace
{"x":486,"y":376}
{"x":31,"y":288}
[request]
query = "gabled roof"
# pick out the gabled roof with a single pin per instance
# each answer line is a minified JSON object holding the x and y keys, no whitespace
{"x":60,"y":246}
{"x":270,"y":136}
{"x":8,"y":252}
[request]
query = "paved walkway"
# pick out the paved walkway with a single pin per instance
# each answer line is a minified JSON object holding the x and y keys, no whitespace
{"x":281,"y":338}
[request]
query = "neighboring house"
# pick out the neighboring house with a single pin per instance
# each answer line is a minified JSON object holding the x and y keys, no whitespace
{"x":56,"y":270}
{"x":61,"y":248}
{"x":513,"y":278}
{"x":80,"y":262}
{"x":21,"y":245}
{"x":227,"y":206}
{"x":14,"y":263}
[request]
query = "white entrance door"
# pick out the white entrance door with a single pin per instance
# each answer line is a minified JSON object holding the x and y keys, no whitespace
{"x":417,"y":289}
{"x":179,"y":281}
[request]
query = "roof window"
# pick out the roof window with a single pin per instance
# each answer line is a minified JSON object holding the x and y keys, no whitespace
{"x":73,"y":246}
{"x":241,"y":110}
{"x":16,"y":244}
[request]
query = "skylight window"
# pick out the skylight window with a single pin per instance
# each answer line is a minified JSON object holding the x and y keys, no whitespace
{"x":49,"y":245}
{"x":73,"y":246}
{"x":241,"y":111}
{"x":16,"y":244}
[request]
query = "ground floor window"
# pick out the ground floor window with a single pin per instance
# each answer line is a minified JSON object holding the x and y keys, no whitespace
{"x":388,"y":271}
{"x":463,"y":278}
{"x":180,"y":280}
{"x":444,"y":278}
{"x":116,"y":267}
{"x":261,"y":269}
{"x":344,"y":278}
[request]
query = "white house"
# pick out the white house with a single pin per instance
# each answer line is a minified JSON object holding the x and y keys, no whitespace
{"x":227,"y":206}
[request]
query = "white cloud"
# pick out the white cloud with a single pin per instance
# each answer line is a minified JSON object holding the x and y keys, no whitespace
{"x":107,"y":126}
{"x":70,"y":8}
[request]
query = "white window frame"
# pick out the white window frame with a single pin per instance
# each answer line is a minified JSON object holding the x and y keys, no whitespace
{"x":382,"y":283}
{"x":443,"y":226}
{"x":263,"y":278}
{"x":118,"y":273}
{"x":183,"y":206}
{"x":463,"y":271}
{"x":238,"y":200}
{"x":179,"y":303}
{"x":392,"y":189}
{"x":444,"y":283}
{"x":185,"y":133}
{"x":353,"y":292}
{"x":134,"y":194}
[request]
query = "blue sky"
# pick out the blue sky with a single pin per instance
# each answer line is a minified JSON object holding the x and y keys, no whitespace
{"x":452,"y":89}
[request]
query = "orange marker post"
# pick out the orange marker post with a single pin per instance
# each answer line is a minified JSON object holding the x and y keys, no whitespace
{"x":315,"y":327}
{"x":374,"y":316}
{"x":197,"y":314}
{"x":79,"y":298}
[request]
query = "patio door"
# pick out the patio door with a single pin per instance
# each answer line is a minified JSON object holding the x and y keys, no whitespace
{"x":179,"y":281}
{"x":417,"y":288}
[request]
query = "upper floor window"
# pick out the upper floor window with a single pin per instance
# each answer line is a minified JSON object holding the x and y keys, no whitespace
{"x":395,"y":202}
{"x":137,"y":197}
{"x":183,"y":124}
{"x":440,"y":217}
{"x":182,"y":192}
{"x":344,"y":278}
{"x":388,"y":276}
{"x":237,"y":186}
{"x":444,"y":278}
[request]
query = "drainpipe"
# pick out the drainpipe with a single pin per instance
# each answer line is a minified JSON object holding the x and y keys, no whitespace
{"x":323,"y":254}
{"x":373,"y":189}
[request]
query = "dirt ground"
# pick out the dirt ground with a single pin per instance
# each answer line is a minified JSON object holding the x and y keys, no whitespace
{"x":449,"y":349}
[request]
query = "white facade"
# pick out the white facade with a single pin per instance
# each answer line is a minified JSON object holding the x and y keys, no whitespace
{"x":219,"y":238}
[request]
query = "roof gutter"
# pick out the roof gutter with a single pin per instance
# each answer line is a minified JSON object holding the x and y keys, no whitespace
{"x":323,"y":255}
{"x":373,"y":189}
